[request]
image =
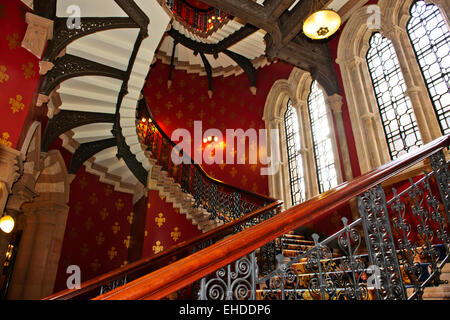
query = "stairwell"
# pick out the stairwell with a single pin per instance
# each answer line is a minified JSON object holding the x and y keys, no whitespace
{"x":167,"y":187}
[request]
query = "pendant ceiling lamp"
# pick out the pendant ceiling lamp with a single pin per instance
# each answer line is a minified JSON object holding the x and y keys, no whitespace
{"x":321,"y":23}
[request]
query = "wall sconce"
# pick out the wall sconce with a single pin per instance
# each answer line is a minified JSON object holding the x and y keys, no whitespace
{"x":210,"y":139}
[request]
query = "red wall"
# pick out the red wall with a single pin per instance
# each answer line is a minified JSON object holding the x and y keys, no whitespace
{"x":98,"y":225}
{"x":232,"y":106}
{"x":19,"y":72}
{"x":100,"y":219}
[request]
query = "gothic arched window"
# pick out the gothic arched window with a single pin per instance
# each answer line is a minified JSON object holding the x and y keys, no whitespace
{"x":297,"y":181}
{"x":430,"y":38}
{"x":399,"y":122}
{"x":322,"y":132}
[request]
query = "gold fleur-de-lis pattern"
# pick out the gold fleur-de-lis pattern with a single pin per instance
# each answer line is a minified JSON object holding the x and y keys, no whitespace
{"x":28,"y":70}
{"x":160,"y":220}
{"x":165,"y":226}
{"x":128,"y":242}
{"x":16,"y":104}
{"x":4,"y":139}
{"x":112,"y":253}
{"x":157,"y":248}
{"x":3,"y":75}
{"x":19,"y":74}
{"x":175,"y":234}
{"x":98,"y":236}
{"x":130,"y":218}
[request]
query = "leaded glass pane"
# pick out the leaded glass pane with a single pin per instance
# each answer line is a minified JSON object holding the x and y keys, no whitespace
{"x":395,"y":107}
{"x":297,"y":181}
{"x":321,"y":134}
{"x":430,"y":37}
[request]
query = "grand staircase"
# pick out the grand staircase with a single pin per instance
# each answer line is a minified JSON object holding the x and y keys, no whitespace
{"x":94,"y":91}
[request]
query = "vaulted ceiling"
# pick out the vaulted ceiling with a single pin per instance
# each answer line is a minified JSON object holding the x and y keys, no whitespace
{"x":257,"y":31}
{"x":96,"y":82}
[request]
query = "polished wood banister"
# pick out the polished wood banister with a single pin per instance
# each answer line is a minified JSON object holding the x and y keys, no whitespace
{"x":184,"y":272}
{"x":90,"y":289}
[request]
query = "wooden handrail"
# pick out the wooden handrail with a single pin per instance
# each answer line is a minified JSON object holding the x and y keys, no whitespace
{"x":91,"y":288}
{"x":184,"y":272}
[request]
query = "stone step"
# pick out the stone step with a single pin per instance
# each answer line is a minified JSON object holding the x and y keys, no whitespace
{"x":293,"y":236}
{"x":297,"y":241}
{"x":296,"y":252}
{"x":305,"y":294}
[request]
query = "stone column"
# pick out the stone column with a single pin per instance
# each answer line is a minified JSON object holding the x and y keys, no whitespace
{"x":335,"y":104}
{"x":37,"y":260}
{"x":21,"y":194}
{"x":278,"y":178}
{"x":369,"y":134}
{"x":10,"y":167}
{"x":19,"y":276}
{"x":416,"y":88}
{"x":307,"y":150}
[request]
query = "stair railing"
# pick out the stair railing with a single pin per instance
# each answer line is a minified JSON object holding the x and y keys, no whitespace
{"x":99,"y":285}
{"x":223,"y":201}
{"x":237,"y":208}
{"x":394,"y":250}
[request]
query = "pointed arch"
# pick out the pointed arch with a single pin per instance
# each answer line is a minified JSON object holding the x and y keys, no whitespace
{"x":365,"y":116}
{"x":294,"y":92}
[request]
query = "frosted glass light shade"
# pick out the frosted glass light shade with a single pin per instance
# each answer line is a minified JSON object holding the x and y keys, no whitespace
{"x":322,"y":24}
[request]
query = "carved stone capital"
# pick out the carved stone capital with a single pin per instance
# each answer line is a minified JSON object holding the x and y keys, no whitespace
{"x":53,"y":104}
{"x":354,"y":63}
{"x":22,"y":193}
{"x":335,"y":103}
{"x":41,"y":100}
{"x":10,"y":164}
{"x":39,"y":31}
{"x":393,"y":32}
{"x":45,"y":210}
{"x":45,"y":66}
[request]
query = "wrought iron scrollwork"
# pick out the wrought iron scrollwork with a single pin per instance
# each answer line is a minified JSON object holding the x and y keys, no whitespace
{"x":236,"y":281}
{"x":319,"y":261}
{"x":352,"y":267}
{"x":380,"y":244}
{"x":113,"y":285}
{"x":406,"y":247}
{"x":442,"y":174}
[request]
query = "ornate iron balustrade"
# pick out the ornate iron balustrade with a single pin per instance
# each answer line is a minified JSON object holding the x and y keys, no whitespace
{"x":202,"y":22}
{"x":222,"y":201}
{"x":395,"y":250}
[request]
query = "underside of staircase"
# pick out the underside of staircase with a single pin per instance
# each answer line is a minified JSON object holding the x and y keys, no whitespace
{"x":99,"y":94}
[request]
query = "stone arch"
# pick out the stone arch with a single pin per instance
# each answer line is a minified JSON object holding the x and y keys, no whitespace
{"x":297,"y":89}
{"x":371,"y":145}
{"x":40,"y":199}
{"x":53,"y":181}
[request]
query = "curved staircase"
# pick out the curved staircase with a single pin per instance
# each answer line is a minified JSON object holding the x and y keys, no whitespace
{"x":111,"y":48}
